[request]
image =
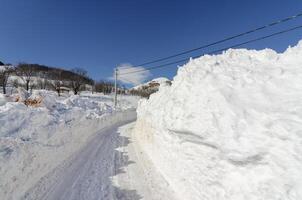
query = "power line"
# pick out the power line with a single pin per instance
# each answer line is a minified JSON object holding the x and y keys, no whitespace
{"x":216,"y":51}
{"x":224,"y":40}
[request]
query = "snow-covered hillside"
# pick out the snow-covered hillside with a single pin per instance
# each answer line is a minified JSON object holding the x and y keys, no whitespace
{"x":146,"y":89}
{"x":35,"y":140}
{"x":154,"y":82}
{"x":229,"y":127}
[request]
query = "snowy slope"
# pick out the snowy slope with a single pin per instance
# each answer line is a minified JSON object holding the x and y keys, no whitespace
{"x":229,"y":127}
{"x":35,"y":140}
{"x":160,"y":81}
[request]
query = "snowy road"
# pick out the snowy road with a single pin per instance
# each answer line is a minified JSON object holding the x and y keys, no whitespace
{"x":111,"y":166}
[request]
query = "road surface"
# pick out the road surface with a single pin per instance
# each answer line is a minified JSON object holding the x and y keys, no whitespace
{"x":110,"y":167}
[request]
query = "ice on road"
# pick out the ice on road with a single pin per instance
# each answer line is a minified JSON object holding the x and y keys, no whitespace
{"x":110,"y":166}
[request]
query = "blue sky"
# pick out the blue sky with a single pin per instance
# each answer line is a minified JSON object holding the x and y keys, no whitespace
{"x":99,"y":35}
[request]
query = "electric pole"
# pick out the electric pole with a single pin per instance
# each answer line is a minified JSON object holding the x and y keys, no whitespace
{"x":115,"y":87}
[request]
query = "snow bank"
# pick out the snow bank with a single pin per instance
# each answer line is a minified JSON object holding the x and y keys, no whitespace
{"x":229,"y":127}
{"x":34,"y":140}
{"x":2,"y":99}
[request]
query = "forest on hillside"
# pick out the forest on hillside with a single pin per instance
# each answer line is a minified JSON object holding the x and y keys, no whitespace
{"x":36,"y":76}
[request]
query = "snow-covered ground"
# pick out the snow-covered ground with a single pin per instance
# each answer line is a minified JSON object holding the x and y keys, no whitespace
{"x":109,"y":166}
{"x":35,"y":140}
{"x":229,"y":127}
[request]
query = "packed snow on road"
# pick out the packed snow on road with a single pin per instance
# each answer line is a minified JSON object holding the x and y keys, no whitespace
{"x":229,"y":127}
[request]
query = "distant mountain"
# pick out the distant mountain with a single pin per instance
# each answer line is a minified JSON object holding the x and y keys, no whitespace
{"x":1,"y":63}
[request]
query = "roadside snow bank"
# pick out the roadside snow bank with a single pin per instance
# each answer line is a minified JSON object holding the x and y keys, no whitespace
{"x":229,"y":127}
{"x":2,"y":99}
{"x":34,"y":140}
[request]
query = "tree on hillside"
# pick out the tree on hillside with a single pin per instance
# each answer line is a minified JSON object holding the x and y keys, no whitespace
{"x":78,"y":79}
{"x":15,"y":83}
{"x":105,"y":87}
{"x":42,"y":82}
{"x":58,"y":81}
{"x":5,"y":72}
{"x":26,"y":72}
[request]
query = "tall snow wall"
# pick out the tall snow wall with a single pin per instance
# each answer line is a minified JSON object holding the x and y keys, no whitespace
{"x":229,"y":127}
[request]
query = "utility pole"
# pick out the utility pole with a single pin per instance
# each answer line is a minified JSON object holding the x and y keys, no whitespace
{"x":115,"y":87}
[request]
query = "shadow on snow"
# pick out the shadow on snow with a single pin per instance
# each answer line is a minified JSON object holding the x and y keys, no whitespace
{"x":78,"y":180}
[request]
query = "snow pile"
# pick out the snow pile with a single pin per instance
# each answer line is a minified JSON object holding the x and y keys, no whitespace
{"x":229,"y":127}
{"x":2,"y":99}
{"x":34,"y":140}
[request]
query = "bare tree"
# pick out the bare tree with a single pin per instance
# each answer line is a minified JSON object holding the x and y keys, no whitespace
{"x":58,"y":81}
{"x":78,"y":79}
{"x":26,"y":72}
{"x":5,"y":72}
{"x":42,"y":82}
{"x":104,"y":87}
{"x":15,"y":83}
{"x":93,"y":86}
